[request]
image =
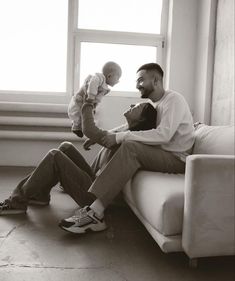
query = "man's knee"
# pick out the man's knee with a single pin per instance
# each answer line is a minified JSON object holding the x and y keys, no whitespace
{"x":65,"y":145}
{"x":130,"y":145}
{"x":56,"y":154}
{"x":131,"y":149}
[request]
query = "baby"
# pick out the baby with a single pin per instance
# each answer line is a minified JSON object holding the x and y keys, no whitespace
{"x":93,"y":89}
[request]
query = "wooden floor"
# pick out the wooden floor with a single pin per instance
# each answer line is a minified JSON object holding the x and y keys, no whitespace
{"x":33,"y":247}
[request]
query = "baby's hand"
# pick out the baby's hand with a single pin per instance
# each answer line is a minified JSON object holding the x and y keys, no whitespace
{"x":88,"y":100}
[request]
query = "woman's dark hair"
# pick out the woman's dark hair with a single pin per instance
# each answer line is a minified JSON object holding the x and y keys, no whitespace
{"x":148,"y":119}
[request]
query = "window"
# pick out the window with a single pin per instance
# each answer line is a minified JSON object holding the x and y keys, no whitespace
{"x":48,"y":47}
{"x":130,"y":57}
{"x":33,"y":49}
{"x":126,"y":31}
{"x":123,"y":15}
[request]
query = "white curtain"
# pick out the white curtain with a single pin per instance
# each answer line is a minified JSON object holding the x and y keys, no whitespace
{"x":222,"y":110}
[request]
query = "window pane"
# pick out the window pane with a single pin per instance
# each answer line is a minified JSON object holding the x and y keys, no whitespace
{"x":123,"y":15}
{"x":33,"y":47}
{"x":129,"y":57}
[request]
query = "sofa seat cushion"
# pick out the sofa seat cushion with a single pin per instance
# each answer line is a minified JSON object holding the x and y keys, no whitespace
{"x":214,"y":140}
{"x":159,"y":197}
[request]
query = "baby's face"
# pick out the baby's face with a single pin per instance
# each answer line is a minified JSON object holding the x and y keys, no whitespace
{"x":113,"y":78}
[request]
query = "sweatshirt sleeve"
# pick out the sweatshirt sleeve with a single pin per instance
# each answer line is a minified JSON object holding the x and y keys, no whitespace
{"x":121,"y":128}
{"x":88,"y":124}
{"x":172,"y":116}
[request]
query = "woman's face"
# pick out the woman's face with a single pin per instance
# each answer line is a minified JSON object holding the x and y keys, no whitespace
{"x":134,"y":113}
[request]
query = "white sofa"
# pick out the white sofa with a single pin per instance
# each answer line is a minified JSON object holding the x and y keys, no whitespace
{"x":194,"y":212}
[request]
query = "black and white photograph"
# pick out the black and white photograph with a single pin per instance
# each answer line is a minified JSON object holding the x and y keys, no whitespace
{"x":117,"y":140}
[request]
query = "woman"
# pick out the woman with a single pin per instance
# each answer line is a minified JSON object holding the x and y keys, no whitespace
{"x":67,"y":166}
{"x":139,"y":117}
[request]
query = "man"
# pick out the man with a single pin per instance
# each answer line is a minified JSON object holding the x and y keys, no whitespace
{"x":163,"y":149}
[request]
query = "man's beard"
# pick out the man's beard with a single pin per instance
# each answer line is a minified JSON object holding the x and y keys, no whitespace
{"x":145,"y":93}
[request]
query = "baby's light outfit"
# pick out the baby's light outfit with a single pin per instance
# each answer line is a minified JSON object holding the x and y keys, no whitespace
{"x":94,"y":88}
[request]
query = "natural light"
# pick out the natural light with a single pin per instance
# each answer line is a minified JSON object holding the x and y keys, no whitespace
{"x":129,"y":57}
{"x":33,"y":49}
{"x":123,"y":15}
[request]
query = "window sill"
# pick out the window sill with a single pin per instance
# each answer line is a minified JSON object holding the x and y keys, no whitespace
{"x":32,"y":107}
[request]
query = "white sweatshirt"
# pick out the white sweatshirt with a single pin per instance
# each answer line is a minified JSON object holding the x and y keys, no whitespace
{"x":174,"y":131}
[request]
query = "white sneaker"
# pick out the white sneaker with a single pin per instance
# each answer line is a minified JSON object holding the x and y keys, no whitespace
{"x":35,"y":201}
{"x":85,"y":219}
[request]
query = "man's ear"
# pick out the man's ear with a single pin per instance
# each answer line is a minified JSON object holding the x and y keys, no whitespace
{"x":155,"y":80}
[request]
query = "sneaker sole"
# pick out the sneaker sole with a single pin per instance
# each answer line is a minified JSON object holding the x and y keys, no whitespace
{"x":79,"y":230}
{"x":38,"y":203}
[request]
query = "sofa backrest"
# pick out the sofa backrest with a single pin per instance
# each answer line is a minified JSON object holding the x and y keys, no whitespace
{"x":214,"y":140}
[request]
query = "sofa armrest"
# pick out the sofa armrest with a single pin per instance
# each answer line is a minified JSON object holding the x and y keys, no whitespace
{"x":208,"y":225}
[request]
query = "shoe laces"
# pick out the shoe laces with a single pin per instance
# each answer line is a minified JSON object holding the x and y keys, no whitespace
{"x":81,"y":213}
{"x":77,"y":211}
{"x":5,"y":204}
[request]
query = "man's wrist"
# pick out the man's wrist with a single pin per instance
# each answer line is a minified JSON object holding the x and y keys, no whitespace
{"x":120,"y":137}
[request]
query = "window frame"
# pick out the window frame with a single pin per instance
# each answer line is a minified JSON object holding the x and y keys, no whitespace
{"x":115,"y":37}
{"x":13,"y":100}
{"x":39,"y":101}
{"x":120,"y":37}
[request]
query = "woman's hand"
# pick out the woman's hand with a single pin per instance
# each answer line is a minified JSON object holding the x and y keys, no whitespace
{"x":87,"y":143}
{"x":109,"y":140}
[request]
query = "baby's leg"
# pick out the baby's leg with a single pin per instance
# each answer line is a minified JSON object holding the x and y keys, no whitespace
{"x":77,"y":128}
{"x":74,"y":113}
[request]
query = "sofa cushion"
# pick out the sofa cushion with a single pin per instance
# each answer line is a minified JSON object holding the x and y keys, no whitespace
{"x":159,"y":197}
{"x":214,"y":140}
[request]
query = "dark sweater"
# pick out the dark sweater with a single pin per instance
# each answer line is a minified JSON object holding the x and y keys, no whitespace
{"x":89,"y":127}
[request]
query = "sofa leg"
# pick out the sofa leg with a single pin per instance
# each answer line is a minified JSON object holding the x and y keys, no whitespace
{"x":193,"y":263}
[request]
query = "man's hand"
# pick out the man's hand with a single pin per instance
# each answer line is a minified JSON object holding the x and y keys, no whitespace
{"x":109,"y":140}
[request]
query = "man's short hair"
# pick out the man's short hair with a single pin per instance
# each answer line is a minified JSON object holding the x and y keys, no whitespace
{"x":152,"y":66}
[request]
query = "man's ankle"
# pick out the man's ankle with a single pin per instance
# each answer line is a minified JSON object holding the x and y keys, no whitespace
{"x":98,"y":207}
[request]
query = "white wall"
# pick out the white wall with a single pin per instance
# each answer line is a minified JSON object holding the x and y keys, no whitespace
{"x":28,"y":153}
